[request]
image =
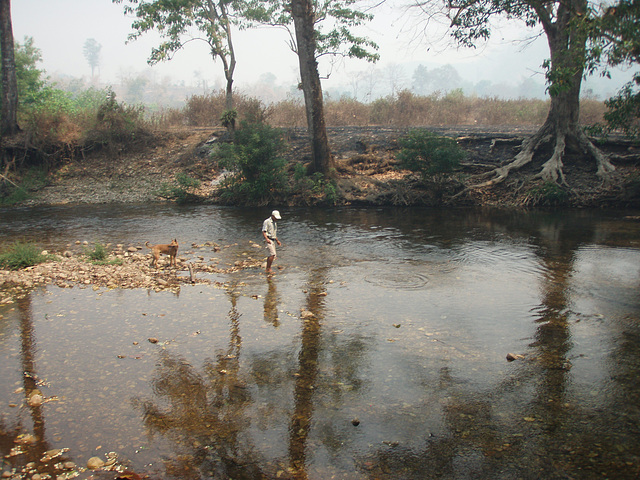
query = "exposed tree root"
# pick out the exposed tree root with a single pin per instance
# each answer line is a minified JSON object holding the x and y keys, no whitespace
{"x":605,"y":167}
{"x":552,"y":169}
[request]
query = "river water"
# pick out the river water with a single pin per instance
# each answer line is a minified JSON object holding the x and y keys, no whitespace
{"x":378,"y":350}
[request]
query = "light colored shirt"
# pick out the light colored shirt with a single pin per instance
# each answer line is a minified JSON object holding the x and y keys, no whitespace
{"x":271,"y":228}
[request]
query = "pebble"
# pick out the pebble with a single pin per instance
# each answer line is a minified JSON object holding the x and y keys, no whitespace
{"x":26,"y":439}
{"x":36,"y":400}
{"x":512,"y":356}
{"x":95,"y":463}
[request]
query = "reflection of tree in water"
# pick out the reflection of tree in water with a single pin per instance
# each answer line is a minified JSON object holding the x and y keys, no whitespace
{"x":499,"y":434}
{"x":324,"y":364}
{"x":204,"y":413}
{"x":32,"y":446}
{"x":271,"y":303}
{"x":307,"y":374}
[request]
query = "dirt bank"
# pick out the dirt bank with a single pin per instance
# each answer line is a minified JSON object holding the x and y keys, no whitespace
{"x":368,"y":172}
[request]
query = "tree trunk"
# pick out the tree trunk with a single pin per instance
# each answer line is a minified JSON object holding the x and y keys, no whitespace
{"x":9,"y":121}
{"x":303,"y":19}
{"x":226,"y":55}
{"x":229,"y":68}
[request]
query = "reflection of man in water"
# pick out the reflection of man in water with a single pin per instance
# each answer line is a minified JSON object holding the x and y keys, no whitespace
{"x":271,"y":303}
{"x":270,"y":234}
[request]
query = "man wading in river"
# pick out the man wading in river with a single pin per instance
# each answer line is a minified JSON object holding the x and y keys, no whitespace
{"x":270,"y":234}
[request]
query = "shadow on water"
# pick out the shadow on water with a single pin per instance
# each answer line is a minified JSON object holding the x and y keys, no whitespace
{"x":378,"y":352}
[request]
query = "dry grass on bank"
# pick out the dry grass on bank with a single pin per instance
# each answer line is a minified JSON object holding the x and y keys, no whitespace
{"x":402,"y":110}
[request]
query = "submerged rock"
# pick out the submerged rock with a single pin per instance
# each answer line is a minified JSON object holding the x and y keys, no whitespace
{"x":512,"y":356}
{"x":94,"y":463}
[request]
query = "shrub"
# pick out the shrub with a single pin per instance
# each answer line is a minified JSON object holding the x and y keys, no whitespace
{"x":623,"y":109}
{"x":228,"y":118}
{"x":98,"y":253}
{"x":425,"y":152}
{"x":346,"y":112}
{"x":12,"y":195}
{"x":255,"y":158}
{"x":314,"y":188}
{"x":181,"y":191}
{"x":31,"y":179}
{"x":50,"y":120}
{"x":204,"y":110}
{"x":22,"y":255}
{"x":288,"y":113}
{"x":208,"y":110}
{"x":117,"y":122}
{"x":547,"y":194}
{"x":254,"y":110}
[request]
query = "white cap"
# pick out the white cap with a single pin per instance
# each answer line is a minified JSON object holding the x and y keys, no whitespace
{"x":276,"y":214}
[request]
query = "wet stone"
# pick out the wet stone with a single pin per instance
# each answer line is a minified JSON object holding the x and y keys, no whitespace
{"x":95,"y":463}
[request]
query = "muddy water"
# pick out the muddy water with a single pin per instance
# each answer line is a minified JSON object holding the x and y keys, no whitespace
{"x":378,"y":351}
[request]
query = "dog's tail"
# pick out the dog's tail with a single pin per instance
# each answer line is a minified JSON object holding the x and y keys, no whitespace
{"x":147,"y":244}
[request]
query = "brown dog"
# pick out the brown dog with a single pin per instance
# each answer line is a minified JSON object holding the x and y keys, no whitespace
{"x":170,"y":249}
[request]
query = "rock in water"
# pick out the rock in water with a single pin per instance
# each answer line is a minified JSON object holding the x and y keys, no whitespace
{"x":95,"y":463}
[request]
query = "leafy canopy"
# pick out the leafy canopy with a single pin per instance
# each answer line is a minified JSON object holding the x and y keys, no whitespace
{"x":181,"y":21}
{"x":614,"y":41}
{"x":334,"y":24}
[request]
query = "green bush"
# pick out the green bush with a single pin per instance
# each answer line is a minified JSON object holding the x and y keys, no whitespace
{"x":50,"y":120}
{"x":22,"y":255}
{"x":315,"y":188}
{"x":30,"y":180}
{"x":547,"y":194}
{"x":181,"y":191}
{"x":228,"y":118}
{"x":99,"y":255}
{"x":255,"y":159}
{"x":425,"y":152}
{"x":12,"y":195}
{"x":323,"y":187}
{"x":116,"y":122}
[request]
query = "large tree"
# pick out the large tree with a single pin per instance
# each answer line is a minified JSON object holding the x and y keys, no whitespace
{"x":9,"y":121}
{"x":91,"y":50}
{"x":303,"y":18}
{"x":320,"y":29}
{"x":176,"y":21}
{"x":560,"y":20}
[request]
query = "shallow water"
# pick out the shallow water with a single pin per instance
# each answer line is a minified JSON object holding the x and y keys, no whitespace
{"x":378,"y":351}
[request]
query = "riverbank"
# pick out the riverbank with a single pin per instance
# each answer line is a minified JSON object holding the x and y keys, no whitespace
{"x":366,"y":166}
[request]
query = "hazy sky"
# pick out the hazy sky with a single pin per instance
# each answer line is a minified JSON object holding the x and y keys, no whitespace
{"x":61,"y":27}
